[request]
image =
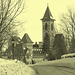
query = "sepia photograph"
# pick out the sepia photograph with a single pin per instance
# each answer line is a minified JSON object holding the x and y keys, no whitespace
{"x":37,"y":37}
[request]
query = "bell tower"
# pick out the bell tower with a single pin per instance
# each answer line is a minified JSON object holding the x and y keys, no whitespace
{"x":47,"y":30}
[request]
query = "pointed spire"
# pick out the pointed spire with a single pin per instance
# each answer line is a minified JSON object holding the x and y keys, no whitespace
{"x":47,"y":15}
{"x":47,"y":4}
{"x":26,"y":38}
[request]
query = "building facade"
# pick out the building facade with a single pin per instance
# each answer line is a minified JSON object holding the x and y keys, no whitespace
{"x":14,"y":48}
{"x":37,"y":52}
{"x":27,"y":43}
{"x":21,"y":49}
{"x":47,"y":30}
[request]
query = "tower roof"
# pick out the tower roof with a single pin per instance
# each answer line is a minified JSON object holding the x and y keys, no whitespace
{"x":26,"y":39}
{"x":47,"y":15}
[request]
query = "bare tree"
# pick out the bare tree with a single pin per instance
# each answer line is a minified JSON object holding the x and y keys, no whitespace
{"x":9,"y":11}
{"x":68,"y":25}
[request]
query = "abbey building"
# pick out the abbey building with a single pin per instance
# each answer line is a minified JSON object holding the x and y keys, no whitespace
{"x":48,"y":30}
{"x":50,"y":38}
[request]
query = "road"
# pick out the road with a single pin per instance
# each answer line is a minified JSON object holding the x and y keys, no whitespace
{"x":51,"y":70}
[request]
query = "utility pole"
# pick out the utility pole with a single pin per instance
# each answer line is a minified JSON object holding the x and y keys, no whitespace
{"x":13,"y":41}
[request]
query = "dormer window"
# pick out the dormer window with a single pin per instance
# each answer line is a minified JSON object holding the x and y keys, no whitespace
{"x":46,"y":26}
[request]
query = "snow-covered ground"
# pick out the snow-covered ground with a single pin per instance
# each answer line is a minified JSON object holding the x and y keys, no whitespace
{"x":14,"y":67}
{"x":67,"y":62}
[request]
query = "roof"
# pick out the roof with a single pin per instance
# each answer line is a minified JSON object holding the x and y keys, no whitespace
{"x":59,"y":35}
{"x":36,"y":45}
{"x":47,"y":15}
{"x":26,"y":38}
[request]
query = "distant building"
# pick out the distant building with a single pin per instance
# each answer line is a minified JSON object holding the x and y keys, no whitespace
{"x":27,"y":43}
{"x":17,"y":47}
{"x":49,"y":35}
{"x":37,"y":52}
{"x":12,"y":47}
{"x":37,"y":49}
{"x":48,"y":31}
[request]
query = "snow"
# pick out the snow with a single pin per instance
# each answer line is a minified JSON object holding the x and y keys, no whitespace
{"x":68,"y":55}
{"x":14,"y":67}
{"x":67,"y":62}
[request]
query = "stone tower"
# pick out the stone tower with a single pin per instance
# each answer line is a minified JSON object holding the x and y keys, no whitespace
{"x":48,"y":30}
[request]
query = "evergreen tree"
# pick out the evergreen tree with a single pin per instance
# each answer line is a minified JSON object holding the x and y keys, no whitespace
{"x":59,"y":47}
{"x":46,"y":44}
{"x":72,"y":47}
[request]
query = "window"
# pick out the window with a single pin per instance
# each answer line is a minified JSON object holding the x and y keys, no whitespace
{"x":52,"y":26}
{"x":46,"y":26}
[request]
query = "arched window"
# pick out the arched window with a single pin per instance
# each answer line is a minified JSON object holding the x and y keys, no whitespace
{"x":52,"y":26}
{"x":46,"y":26}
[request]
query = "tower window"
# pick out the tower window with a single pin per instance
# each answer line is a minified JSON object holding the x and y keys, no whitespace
{"x":46,"y":26}
{"x":52,"y":26}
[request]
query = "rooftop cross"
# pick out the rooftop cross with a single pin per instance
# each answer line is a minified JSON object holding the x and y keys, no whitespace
{"x":47,"y":4}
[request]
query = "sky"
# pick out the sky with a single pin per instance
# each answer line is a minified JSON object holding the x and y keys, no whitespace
{"x":34,"y":11}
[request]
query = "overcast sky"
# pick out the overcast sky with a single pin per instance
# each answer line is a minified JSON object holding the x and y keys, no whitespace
{"x":34,"y":11}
